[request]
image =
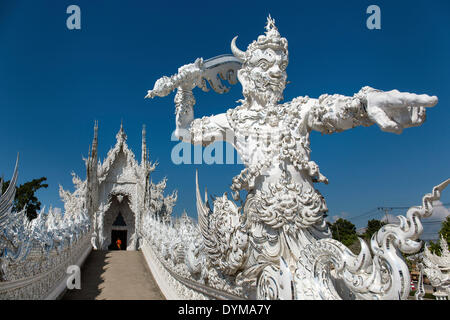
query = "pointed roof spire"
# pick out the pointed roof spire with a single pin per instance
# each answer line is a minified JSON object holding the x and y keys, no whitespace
{"x":95,"y":140}
{"x":92,"y":156}
{"x":93,"y":150}
{"x":144,"y":146}
{"x":121,"y":136}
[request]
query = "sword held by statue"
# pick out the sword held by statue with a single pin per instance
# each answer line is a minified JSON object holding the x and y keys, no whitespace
{"x":198,"y":74}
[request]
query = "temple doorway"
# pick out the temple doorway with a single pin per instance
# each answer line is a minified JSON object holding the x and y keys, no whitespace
{"x":118,"y":234}
{"x":115,"y":235}
{"x":119,"y":217}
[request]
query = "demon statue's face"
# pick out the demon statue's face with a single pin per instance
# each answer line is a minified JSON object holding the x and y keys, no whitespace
{"x":263,"y":73}
{"x":263,"y":77}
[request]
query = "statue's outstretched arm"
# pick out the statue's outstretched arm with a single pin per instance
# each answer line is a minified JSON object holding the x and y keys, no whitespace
{"x":392,"y":111}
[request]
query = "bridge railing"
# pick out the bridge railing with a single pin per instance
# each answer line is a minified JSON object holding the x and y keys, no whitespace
{"x":174,"y":253}
{"x":48,"y":272}
{"x":34,"y":255}
{"x":182,"y":262}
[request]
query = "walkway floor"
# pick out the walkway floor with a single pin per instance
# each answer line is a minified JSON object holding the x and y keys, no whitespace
{"x":115,"y":275}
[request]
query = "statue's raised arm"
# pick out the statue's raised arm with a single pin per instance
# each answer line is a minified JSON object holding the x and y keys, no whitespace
{"x":392,"y":111}
{"x":198,"y":74}
{"x":203,"y":130}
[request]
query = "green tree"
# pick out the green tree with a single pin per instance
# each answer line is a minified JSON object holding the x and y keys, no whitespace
{"x":435,"y":247}
{"x":445,"y":230}
{"x":25,"y":196}
{"x":344,"y":231}
{"x":372,"y":227}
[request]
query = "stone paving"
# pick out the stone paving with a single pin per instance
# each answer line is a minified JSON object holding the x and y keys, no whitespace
{"x":115,"y":275}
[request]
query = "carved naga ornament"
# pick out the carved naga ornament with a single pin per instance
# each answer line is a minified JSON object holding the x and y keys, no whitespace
{"x":276,"y":245}
{"x":34,"y":255}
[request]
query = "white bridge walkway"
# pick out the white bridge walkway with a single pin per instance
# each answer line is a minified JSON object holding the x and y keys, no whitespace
{"x":115,"y":275}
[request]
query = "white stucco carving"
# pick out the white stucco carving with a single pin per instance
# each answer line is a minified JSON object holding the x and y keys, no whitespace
{"x":437,"y":269}
{"x":276,"y":244}
{"x":35,"y":254}
{"x":281,"y":218}
{"x":120,"y":185}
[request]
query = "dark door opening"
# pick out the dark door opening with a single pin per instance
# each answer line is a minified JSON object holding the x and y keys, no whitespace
{"x":115,"y":236}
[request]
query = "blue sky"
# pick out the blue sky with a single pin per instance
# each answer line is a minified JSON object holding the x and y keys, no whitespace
{"x":55,"y":82}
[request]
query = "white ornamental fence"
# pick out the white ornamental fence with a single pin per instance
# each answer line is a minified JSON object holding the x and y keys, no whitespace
{"x":175,"y":252}
{"x":35,"y":255}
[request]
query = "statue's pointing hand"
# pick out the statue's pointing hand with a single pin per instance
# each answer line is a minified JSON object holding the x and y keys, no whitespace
{"x":394,"y":111}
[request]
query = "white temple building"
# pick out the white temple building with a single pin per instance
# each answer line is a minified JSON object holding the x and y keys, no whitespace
{"x":117,"y":194}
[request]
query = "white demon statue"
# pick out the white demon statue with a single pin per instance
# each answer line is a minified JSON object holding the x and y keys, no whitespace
{"x":281,"y":223}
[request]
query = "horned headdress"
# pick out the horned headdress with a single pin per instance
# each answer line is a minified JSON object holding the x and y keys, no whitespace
{"x":271,"y":39}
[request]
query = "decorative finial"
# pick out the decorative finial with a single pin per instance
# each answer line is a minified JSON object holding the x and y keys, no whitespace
{"x":144,"y":146}
{"x":95,"y":133}
{"x":93,"y":151}
{"x":270,"y":23}
{"x":121,"y":136}
{"x":271,"y":39}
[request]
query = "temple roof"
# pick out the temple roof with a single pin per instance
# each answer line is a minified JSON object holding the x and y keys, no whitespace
{"x":113,"y":155}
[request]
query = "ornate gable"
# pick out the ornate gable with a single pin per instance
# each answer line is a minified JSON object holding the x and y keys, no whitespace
{"x":120,"y":164}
